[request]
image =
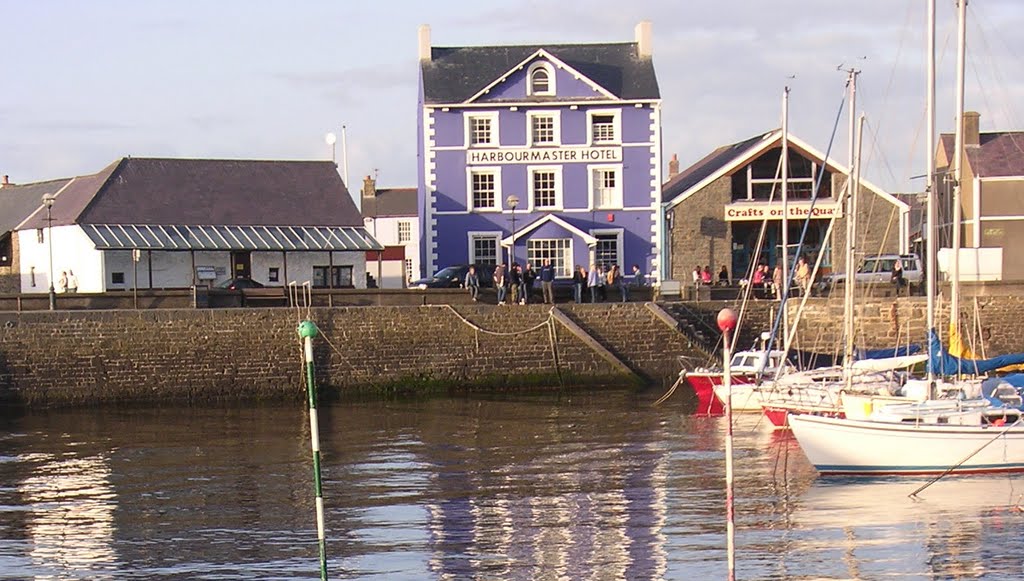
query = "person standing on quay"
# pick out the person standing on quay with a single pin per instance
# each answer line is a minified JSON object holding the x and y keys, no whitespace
{"x":579,"y":279}
{"x":602,"y":283}
{"x":472,"y":283}
{"x":529,"y":276}
{"x":499,"y":283}
{"x":723,"y":276}
{"x":638,"y":277}
{"x":803,"y":275}
{"x":62,"y":282}
{"x":593,"y":281}
{"x":547,"y":281}
{"x":515,"y":282}
{"x":72,"y":282}
{"x":777,"y":280}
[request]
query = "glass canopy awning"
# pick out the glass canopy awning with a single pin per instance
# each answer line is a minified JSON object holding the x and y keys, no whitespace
{"x":279,"y":238}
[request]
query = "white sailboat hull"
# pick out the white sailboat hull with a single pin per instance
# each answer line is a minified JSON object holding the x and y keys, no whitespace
{"x":855,"y":447}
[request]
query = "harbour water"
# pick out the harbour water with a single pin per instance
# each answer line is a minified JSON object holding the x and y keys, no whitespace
{"x":596,"y":485}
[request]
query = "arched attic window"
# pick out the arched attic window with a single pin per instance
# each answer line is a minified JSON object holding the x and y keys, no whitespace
{"x":541,"y":80}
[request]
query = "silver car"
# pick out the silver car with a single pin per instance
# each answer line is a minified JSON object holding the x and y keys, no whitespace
{"x":878,"y":269}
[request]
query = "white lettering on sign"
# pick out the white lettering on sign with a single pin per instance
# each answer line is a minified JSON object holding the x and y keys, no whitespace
{"x":544,"y":155}
{"x":742,"y":211}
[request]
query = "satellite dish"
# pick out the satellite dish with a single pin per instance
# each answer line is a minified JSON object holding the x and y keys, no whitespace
{"x":330,"y":138}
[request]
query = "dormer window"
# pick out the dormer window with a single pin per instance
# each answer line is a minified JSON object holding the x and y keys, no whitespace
{"x":541,"y":80}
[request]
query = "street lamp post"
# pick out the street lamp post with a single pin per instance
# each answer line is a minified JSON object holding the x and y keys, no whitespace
{"x":512,"y":202}
{"x":48,"y":202}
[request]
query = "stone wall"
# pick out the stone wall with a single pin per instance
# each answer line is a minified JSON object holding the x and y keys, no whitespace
{"x":86,"y":357}
{"x":95,"y":357}
{"x":699,"y":234}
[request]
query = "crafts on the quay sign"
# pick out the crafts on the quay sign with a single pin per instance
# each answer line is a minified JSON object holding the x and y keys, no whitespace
{"x":744,"y":211}
{"x":568,"y":154}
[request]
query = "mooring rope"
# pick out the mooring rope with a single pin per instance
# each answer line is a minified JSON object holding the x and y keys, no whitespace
{"x":480,"y":329}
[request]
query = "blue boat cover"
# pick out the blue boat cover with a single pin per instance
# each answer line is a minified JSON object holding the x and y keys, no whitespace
{"x":942,"y":363}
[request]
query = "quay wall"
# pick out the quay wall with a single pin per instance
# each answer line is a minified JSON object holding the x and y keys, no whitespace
{"x":202,"y":355}
{"x":90,"y":357}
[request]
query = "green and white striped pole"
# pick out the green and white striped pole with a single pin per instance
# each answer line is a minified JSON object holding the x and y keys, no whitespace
{"x":307,"y":330}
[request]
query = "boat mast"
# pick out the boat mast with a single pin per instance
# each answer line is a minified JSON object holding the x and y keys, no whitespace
{"x":851,"y":229}
{"x":930,"y":193}
{"x":785,"y":211}
{"x":958,"y":159}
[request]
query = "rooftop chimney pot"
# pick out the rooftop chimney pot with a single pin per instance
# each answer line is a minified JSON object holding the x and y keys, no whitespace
{"x":972,"y":135}
{"x":642,"y":33}
{"x":424,"y":42}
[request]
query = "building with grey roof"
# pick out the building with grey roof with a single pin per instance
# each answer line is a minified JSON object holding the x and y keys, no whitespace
{"x":175,"y":223}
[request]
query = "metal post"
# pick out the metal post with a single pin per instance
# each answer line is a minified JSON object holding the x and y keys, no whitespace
{"x":48,"y":202}
{"x":727,"y":322}
{"x":307,"y":330}
{"x":512,"y":202}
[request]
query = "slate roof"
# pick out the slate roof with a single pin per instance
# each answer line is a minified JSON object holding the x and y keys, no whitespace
{"x":1000,"y":154}
{"x":206,"y":191}
{"x":391,"y":202}
{"x":711,"y":163}
{"x":454,"y":74}
{"x":18,"y":202}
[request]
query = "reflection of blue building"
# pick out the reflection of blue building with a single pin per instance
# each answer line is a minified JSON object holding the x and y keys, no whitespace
{"x":573,"y":131}
{"x":598,"y":519}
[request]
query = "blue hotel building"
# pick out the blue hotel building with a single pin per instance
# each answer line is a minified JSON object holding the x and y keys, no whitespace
{"x":540,"y":152}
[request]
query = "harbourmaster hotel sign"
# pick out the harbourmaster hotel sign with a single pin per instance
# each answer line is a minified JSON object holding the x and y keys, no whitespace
{"x":545,"y":155}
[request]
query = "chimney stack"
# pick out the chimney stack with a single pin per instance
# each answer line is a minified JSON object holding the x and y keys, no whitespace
{"x":424,"y":42}
{"x":6,"y":181}
{"x":642,"y":34}
{"x":673,"y":166}
{"x":369,"y":188}
{"x":972,"y":136}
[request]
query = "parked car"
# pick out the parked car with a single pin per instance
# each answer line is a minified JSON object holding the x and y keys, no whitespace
{"x":878,"y":269}
{"x":455,"y":276}
{"x":239,"y":283}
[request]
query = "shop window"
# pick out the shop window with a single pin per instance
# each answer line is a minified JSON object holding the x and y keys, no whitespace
{"x":117,"y":278}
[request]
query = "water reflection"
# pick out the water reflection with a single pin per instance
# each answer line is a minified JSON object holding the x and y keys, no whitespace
{"x":599,"y":486}
{"x":69,"y":524}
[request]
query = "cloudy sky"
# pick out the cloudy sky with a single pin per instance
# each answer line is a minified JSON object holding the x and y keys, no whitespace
{"x":88,"y":82}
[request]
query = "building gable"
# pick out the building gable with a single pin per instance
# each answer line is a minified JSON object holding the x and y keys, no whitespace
{"x":560,"y":82}
{"x":727,"y":160}
{"x":460,"y":74}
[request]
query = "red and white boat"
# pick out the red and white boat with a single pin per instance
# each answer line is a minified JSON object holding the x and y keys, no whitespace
{"x":707,"y":383}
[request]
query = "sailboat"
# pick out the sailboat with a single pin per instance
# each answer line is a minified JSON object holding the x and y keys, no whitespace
{"x":937,"y":436}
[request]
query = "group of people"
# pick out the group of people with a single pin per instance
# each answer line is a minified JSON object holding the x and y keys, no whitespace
{"x":765,"y":282}
{"x":68,"y":282}
{"x":515,"y":284}
{"x":601,"y":278}
{"x":702,"y":276}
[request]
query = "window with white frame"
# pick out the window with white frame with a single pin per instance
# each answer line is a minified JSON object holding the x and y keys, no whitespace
{"x":483,"y":247}
{"x":607,"y":251}
{"x":541,"y":78}
{"x":404,"y":231}
{"x":606,"y":187}
{"x":546,"y":188}
{"x":482,"y":130}
{"x":543,"y":129}
{"x":602,"y":129}
{"x":557,"y":250}
{"x":484,"y":193}
{"x":604,"y":126}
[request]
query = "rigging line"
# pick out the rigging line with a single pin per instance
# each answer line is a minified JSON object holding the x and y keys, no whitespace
{"x":881,"y":154}
{"x":803,"y":233}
